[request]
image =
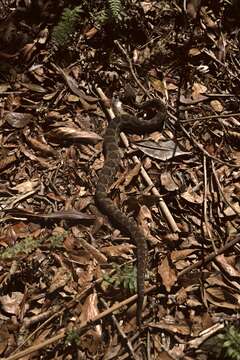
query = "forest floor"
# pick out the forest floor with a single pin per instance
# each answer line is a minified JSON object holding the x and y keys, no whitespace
{"x":67,"y":275}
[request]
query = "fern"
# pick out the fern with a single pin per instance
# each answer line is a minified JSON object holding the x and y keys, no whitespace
{"x":125,"y":277}
{"x":62,"y":32}
{"x":231,"y":342}
{"x":115,"y":7}
{"x":29,"y":244}
{"x":26,"y":246}
{"x":112,"y":13}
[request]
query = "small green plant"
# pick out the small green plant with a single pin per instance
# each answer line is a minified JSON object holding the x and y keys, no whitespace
{"x":125,"y":276}
{"x":72,"y":337}
{"x":25,"y":246}
{"x":56,"y":241}
{"x":29,"y":244}
{"x":66,"y":26}
{"x":112,"y":13}
{"x":231,"y":342}
{"x":115,"y":7}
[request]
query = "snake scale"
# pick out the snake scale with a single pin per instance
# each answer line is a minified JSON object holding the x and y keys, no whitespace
{"x":128,"y":225}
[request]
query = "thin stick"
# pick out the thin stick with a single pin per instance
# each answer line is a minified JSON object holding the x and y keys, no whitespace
{"x":131,"y":67}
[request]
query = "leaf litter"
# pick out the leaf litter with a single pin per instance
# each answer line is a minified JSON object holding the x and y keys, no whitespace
{"x":67,"y":279}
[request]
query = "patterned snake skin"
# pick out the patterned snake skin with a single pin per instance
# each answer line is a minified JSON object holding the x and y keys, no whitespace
{"x":106,"y":178}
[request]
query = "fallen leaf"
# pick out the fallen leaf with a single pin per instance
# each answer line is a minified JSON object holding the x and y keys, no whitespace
{"x":177,"y":255}
{"x":132,"y":173}
{"x":26,"y":186}
{"x":228,"y":268}
{"x":192,"y":196}
{"x":168,"y":182}
{"x":163,"y":150}
{"x":167,"y":274}
{"x":18,"y":120}
{"x":216,"y":105}
{"x":60,"y":279}
{"x":198,"y":89}
{"x":11,"y":304}
{"x":67,"y":132}
{"x":119,"y":250}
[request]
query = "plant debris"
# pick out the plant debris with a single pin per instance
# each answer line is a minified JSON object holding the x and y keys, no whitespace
{"x":67,"y":276}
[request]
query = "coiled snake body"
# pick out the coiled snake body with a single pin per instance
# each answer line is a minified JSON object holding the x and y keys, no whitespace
{"x":106,"y":178}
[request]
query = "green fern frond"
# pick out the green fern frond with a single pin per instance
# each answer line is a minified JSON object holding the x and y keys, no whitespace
{"x":25,"y":246}
{"x":66,"y":26}
{"x":115,"y":7}
{"x":231,"y":342}
{"x":100,"y":18}
{"x":124,"y":277}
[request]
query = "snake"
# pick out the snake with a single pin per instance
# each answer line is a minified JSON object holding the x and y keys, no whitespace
{"x":132,"y":124}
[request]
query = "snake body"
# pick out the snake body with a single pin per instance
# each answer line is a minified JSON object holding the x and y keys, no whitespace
{"x":111,"y":165}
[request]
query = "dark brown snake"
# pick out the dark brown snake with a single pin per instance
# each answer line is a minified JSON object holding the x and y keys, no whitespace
{"x":111,"y":165}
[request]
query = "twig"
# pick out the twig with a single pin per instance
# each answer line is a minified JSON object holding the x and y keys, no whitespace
{"x":201,"y":118}
{"x":206,"y":230}
{"x":209,"y":257}
{"x":131,"y":67}
{"x":200,"y":147}
{"x":121,"y":332}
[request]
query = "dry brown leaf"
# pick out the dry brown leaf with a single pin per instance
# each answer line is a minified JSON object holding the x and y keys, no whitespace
{"x":92,"y":338}
{"x":34,"y":87}
{"x":18,"y":120}
{"x":167,"y":274}
{"x":163,"y":150}
{"x":132,"y":173}
{"x":194,"y":52}
{"x":189,"y":101}
{"x":191,"y":196}
{"x":193,"y":7}
{"x":11,"y":304}
{"x":73,"y":98}
{"x":60,"y":279}
{"x":91,"y":33}
{"x":168,"y":182}
{"x":232,"y":210}
{"x":228,"y":268}
{"x":122,"y":250}
{"x":92,"y":250}
{"x":182,"y":329}
{"x":216,"y":105}
{"x":221,"y":298}
{"x":198,"y":89}
{"x":5,"y":162}
{"x":158,"y":85}
{"x":26,"y":186}
{"x":4,"y":338}
{"x":67,"y":132}
{"x":177,"y":255}
{"x":40,"y":146}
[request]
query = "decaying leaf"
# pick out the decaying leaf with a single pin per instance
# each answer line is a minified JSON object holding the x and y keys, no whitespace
{"x":123,"y":250}
{"x":11,"y":304}
{"x":163,"y":150}
{"x":167,"y":274}
{"x":18,"y":120}
{"x":217,"y":106}
{"x":61,"y":278}
{"x":75,"y":134}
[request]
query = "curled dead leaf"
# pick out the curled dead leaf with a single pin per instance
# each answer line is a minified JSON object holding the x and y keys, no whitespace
{"x":18,"y":120}
{"x":167,"y":274}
